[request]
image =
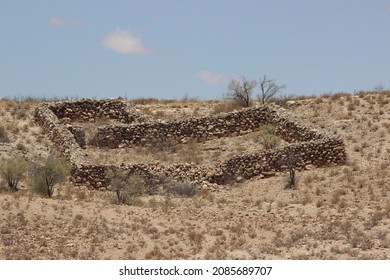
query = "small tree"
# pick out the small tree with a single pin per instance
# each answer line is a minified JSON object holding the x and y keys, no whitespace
{"x":54,"y":171}
{"x":268,"y":89}
{"x":13,"y":170}
{"x":241,"y":91}
{"x":127,"y":187}
{"x":291,"y":164}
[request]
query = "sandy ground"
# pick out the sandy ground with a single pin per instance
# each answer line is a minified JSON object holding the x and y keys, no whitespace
{"x":335,"y":212}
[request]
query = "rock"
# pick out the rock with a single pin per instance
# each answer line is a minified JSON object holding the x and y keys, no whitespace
{"x":309,"y":167}
{"x":268,"y":174}
{"x":239,"y":179}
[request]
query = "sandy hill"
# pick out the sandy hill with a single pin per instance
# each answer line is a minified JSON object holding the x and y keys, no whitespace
{"x":334,"y":212}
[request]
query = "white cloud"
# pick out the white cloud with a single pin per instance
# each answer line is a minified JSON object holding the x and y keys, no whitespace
{"x":210,"y":77}
{"x":56,"y":21}
{"x":122,"y":41}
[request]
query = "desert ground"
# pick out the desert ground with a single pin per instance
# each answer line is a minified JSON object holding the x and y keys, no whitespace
{"x":334,"y":212}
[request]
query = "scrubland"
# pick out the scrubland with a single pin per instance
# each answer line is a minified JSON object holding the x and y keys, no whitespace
{"x":334,"y":212}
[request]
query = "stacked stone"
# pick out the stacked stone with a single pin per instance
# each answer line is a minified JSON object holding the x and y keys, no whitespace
{"x":63,"y":139}
{"x":308,"y":147}
{"x":88,"y":110}
{"x":204,"y":129}
{"x":317,"y":153}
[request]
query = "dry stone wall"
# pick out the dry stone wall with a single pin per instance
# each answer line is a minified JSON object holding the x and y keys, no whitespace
{"x":307,"y":146}
{"x":203,"y":129}
{"x":91,"y":109}
{"x":316,"y":153}
{"x":61,"y":136}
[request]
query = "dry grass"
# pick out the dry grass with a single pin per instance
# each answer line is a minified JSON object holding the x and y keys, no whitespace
{"x":333,"y":213}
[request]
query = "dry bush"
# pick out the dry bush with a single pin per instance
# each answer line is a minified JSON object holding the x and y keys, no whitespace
{"x":267,"y":137}
{"x":196,"y":238}
{"x":351,"y":106}
{"x":128,"y":188}
{"x":4,"y":135}
{"x":336,"y":196}
{"x":12,"y":171}
{"x":21,"y":147}
{"x":180,"y":188}
{"x":20,"y":114}
{"x":54,"y":171}
{"x":373,"y":220}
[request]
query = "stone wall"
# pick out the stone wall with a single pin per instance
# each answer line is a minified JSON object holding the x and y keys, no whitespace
{"x":307,"y":146}
{"x":317,"y":153}
{"x":203,"y":129}
{"x":90,"y":109}
{"x":61,"y":136}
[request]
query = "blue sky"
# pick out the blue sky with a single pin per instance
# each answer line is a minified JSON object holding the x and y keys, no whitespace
{"x":177,"y":48}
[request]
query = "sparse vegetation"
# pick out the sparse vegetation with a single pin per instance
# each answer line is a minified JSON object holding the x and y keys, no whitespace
{"x":3,"y":135}
{"x":181,"y":188}
{"x":126,"y":186}
{"x":55,"y":170}
{"x":13,"y":170}
{"x":268,"y":89}
{"x":267,"y":137}
{"x":241,"y":91}
{"x":336,"y":212}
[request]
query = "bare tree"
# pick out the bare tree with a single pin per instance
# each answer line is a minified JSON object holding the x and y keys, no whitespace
{"x":241,"y":91}
{"x":268,"y":88}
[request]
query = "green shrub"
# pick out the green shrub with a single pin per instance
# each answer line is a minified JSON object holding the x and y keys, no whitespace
{"x":13,"y":170}
{"x":267,"y":137}
{"x":127,"y":187}
{"x":54,"y":171}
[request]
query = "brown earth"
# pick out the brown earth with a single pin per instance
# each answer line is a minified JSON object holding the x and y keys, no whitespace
{"x":336,"y":212}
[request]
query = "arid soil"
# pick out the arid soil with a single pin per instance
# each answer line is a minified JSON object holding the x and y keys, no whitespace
{"x":334,"y":212}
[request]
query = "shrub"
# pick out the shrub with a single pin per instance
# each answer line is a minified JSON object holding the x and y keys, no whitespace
{"x":181,"y":188}
{"x":126,"y":186}
{"x":291,"y":164}
{"x":13,"y":170}
{"x":21,"y":147}
{"x":3,"y":135}
{"x":54,"y":171}
{"x":267,"y":137}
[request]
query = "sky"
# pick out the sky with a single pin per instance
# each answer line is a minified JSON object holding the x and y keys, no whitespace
{"x":190,"y":48}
